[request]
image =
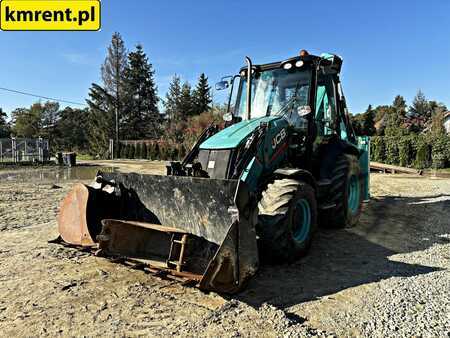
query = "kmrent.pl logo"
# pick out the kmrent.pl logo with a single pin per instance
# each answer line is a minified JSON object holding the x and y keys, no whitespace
{"x":54,"y":15}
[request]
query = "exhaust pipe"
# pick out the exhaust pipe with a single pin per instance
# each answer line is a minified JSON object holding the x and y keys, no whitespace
{"x":249,"y":86}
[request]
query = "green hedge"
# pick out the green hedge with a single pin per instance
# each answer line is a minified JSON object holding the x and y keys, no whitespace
{"x":154,"y":151}
{"x":418,"y":151}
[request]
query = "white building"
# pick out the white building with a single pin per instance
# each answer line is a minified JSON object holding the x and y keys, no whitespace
{"x":447,"y":122}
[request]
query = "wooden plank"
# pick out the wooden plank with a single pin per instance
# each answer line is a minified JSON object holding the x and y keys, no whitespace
{"x":393,"y":168}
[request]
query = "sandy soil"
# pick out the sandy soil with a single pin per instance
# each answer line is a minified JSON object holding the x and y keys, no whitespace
{"x":387,"y":277}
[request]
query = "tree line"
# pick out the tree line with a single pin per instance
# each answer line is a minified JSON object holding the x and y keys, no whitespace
{"x":49,"y":121}
{"x":412,"y":136}
{"x":422,"y":116}
{"x":127,"y":92}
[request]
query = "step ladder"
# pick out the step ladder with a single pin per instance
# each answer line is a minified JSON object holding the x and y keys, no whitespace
{"x":177,"y":249}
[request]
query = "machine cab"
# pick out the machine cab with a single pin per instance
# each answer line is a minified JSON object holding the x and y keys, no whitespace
{"x":294,"y":89}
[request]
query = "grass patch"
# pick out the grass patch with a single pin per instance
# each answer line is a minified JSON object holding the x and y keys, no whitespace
{"x":443,"y":170}
{"x":84,"y":157}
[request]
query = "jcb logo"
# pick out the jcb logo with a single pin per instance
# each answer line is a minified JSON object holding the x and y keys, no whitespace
{"x":279,"y":138}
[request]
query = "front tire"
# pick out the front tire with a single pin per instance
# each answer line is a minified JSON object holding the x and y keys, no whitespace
{"x":287,"y":220}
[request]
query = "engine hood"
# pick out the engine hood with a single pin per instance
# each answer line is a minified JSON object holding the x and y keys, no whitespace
{"x":232,"y":136}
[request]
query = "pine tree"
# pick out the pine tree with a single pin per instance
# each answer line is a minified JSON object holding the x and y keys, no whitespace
{"x":112,"y":71}
{"x":420,"y":114}
{"x":420,"y":106}
{"x":357,"y":123}
{"x":368,"y":124}
{"x":141,"y":116}
{"x":399,"y":103}
{"x":394,"y":123}
{"x":202,"y":95}
{"x":186,"y":104}
{"x":100,"y":120}
{"x":436,"y":123}
{"x":172,"y":102}
{"x":396,"y":119}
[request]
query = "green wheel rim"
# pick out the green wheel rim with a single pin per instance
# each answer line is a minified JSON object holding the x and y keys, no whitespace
{"x":302,"y":220}
{"x":353,"y":195}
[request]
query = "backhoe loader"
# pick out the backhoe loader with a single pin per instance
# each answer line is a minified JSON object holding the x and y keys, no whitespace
{"x":254,"y":191}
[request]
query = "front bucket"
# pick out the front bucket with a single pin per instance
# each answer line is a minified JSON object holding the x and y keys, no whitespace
{"x":81,"y":213}
{"x":190,"y":227}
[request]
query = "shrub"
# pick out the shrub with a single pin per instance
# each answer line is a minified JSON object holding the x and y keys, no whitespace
{"x":148,"y":154}
{"x":123,"y":151}
{"x":176,"y":153}
{"x":144,"y":151}
{"x":447,"y":150}
{"x":164,"y":152}
{"x":423,"y":153}
{"x":439,"y":151}
{"x":156,"y":152}
{"x":132,"y":151}
{"x":392,"y":156}
{"x":127,"y":150}
{"x":377,"y":149}
{"x":406,"y":151}
{"x":419,"y":151}
{"x":138,"y":154}
{"x":183,"y":151}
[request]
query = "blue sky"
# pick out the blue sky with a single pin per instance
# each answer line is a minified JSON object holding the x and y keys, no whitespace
{"x":389,"y":47}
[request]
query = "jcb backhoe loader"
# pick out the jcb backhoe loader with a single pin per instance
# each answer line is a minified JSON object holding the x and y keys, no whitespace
{"x":286,"y":161}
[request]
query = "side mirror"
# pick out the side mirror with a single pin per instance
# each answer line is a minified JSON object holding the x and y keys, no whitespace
{"x":227,"y":117}
{"x":222,"y":85}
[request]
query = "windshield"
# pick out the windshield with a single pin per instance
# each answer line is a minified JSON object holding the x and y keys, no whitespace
{"x":272,"y":91}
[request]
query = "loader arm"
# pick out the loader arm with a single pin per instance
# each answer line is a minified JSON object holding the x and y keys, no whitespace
{"x":186,"y":168}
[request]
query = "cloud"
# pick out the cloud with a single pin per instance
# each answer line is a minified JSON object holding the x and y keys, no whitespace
{"x":77,"y":58}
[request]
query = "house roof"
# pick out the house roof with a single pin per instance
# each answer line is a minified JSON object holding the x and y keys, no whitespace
{"x":446,"y":114}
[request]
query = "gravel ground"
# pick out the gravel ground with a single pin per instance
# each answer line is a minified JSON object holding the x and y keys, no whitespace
{"x":387,"y":277}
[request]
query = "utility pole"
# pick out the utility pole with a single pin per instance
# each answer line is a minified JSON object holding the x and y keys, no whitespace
{"x":116,"y":148}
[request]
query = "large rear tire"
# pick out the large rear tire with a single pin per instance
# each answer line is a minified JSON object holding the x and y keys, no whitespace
{"x":287,"y":220}
{"x":346,"y":193}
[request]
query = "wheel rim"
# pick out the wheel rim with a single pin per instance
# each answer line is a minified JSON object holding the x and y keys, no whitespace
{"x":353,"y":195}
{"x":302,"y":220}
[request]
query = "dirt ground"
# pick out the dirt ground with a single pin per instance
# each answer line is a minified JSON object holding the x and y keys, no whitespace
{"x":389,"y":276}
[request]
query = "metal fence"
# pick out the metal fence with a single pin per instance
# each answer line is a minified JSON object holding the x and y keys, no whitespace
{"x":24,"y":150}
